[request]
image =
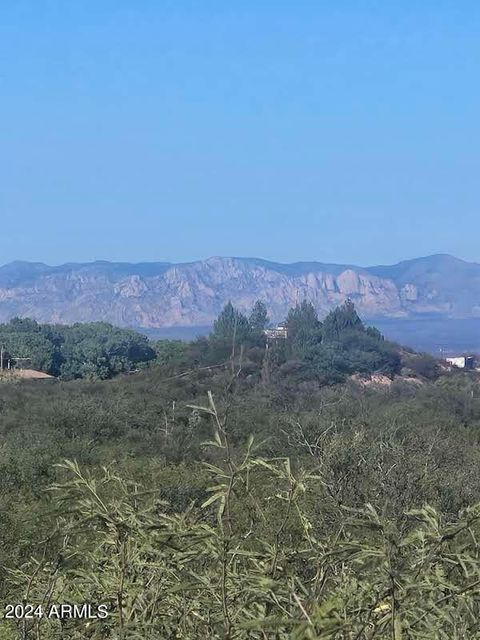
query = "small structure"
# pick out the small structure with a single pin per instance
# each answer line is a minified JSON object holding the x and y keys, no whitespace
{"x":13,"y":367}
{"x":5,"y":360}
{"x":462,"y":362}
{"x":280,"y":332}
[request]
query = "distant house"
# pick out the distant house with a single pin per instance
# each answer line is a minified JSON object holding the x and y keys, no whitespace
{"x":280,"y":332}
{"x":462,"y":362}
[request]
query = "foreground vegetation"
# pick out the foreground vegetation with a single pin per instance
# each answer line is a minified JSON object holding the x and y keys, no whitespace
{"x":234,"y":491}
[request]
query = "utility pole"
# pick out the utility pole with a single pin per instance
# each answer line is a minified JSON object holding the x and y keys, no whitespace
{"x":2,"y":351}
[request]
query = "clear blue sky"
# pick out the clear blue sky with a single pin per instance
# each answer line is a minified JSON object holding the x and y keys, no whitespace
{"x":340,"y":131}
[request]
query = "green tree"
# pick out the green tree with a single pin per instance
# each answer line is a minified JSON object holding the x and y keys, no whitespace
{"x":231,"y":325}
{"x":304,"y":329}
{"x":341,"y":320}
{"x":99,"y":350}
{"x":303,"y":318}
{"x":258,"y":319}
{"x":24,"y":338}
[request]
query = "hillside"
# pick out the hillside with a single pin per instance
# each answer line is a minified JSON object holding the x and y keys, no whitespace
{"x":295,"y":494}
{"x":155,"y":295}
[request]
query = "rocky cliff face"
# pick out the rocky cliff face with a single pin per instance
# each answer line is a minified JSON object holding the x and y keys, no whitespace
{"x":153,"y":295}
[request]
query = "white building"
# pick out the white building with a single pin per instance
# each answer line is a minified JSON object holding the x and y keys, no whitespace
{"x":280,"y":332}
{"x":462,"y":362}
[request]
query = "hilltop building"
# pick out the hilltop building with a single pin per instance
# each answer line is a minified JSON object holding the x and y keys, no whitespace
{"x":280,"y":332}
{"x":463,"y":362}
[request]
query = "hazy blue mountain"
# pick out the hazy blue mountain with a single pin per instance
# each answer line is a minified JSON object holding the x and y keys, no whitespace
{"x":160,"y":295}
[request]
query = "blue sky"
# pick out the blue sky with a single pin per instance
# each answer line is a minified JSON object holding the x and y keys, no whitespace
{"x":334,"y":131}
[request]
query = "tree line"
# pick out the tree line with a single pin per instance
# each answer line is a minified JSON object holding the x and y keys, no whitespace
{"x":328,"y":350}
{"x":93,"y":350}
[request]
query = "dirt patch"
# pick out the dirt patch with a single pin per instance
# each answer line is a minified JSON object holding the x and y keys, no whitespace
{"x":28,"y":374}
{"x":375,"y":380}
{"x":380,"y":381}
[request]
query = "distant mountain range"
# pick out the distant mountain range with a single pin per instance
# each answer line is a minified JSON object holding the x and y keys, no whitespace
{"x":158,"y":295}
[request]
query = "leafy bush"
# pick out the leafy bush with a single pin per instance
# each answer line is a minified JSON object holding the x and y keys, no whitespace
{"x":249,"y":563}
{"x":94,"y":350}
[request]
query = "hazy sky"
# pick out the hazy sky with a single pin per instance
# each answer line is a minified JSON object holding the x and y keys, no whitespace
{"x":341,"y":131}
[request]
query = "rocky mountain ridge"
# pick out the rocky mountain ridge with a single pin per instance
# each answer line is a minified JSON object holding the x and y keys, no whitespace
{"x":153,"y":295}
